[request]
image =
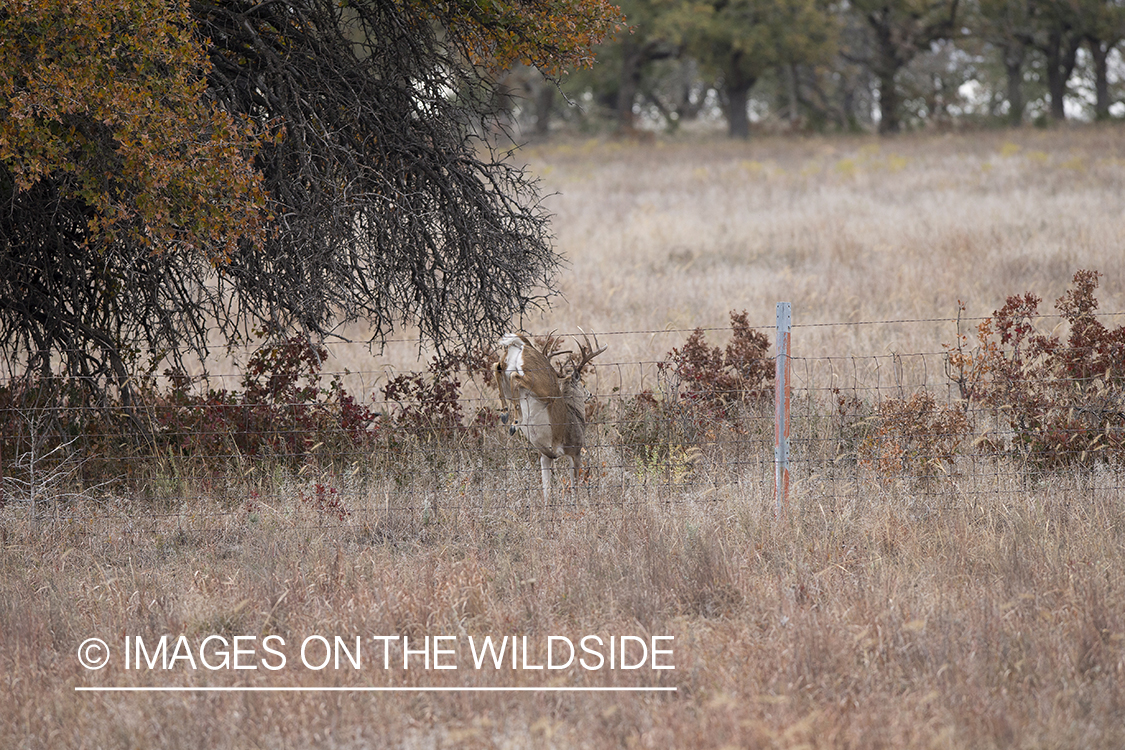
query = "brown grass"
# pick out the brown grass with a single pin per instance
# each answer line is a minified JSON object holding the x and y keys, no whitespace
{"x":995,"y":621}
{"x":985,"y":612}
{"x":676,"y":235}
{"x":845,"y":229}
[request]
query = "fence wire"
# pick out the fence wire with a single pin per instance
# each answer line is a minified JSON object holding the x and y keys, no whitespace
{"x":333,"y":447}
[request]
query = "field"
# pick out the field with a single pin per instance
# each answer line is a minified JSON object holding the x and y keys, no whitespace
{"x":989,"y":612}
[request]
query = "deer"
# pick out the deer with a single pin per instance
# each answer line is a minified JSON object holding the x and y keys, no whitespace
{"x":551,"y":402}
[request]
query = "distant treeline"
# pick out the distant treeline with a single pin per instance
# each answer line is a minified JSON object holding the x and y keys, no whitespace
{"x":855,"y":65}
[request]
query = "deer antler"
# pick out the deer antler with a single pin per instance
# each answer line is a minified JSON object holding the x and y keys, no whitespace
{"x":586,"y":353}
{"x":549,"y":346}
{"x":558,"y":368}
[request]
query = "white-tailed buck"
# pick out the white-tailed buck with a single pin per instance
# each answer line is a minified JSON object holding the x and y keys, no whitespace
{"x":552,"y":403}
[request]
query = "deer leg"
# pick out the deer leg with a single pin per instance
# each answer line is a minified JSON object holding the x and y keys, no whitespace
{"x":545,"y":464}
{"x":575,"y":471}
{"x":505,"y":415}
{"x":507,"y":396}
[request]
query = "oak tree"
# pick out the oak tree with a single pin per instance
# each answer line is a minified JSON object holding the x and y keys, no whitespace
{"x":1009,"y":26}
{"x":900,"y":30}
{"x":122,"y":185}
{"x":740,"y":40}
{"x":176,"y":173}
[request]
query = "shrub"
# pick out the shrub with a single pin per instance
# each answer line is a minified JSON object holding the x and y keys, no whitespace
{"x":704,"y":390}
{"x":282,"y":411}
{"x":427,"y":405}
{"x":913,"y":436}
{"x":715,"y":379}
{"x":55,"y":423}
{"x":1062,"y":399}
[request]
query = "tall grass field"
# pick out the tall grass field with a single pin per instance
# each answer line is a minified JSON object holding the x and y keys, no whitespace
{"x":425,"y":596}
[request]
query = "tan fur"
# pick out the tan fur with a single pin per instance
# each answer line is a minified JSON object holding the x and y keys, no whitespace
{"x":552,"y":404}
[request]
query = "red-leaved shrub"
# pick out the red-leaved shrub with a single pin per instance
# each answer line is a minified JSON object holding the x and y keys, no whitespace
{"x":1063,"y":399}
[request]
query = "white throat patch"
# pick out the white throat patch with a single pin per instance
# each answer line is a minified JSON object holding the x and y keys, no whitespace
{"x":514,"y":361}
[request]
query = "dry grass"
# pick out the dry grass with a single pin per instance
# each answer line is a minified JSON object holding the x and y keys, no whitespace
{"x":675,"y":235}
{"x":994,"y":622}
{"x":846,"y":230}
{"x":989,"y":612}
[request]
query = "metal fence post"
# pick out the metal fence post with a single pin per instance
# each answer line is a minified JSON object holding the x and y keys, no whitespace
{"x":781,"y":408}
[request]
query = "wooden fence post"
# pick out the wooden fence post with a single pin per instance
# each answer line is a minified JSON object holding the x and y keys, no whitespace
{"x":781,"y":408}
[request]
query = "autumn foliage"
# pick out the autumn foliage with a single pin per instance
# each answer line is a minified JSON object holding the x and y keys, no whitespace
{"x":176,"y":174}
{"x":283,"y":411}
{"x":1058,"y":400}
{"x":718,"y":378}
{"x":914,"y":436}
{"x":553,"y":36}
{"x":704,"y":392}
{"x":106,"y":101}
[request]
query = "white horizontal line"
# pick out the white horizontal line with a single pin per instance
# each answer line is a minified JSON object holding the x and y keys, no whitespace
{"x":368,"y":689}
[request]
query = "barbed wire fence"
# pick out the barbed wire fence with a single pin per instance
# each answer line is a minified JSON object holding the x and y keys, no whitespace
{"x":308,"y":443}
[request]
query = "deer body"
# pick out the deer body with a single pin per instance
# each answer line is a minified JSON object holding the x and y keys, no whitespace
{"x":552,"y":404}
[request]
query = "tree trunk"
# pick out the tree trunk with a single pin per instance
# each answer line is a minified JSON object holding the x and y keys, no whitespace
{"x":737,"y":85}
{"x":1014,"y":53}
{"x":889,"y":102}
{"x":1062,"y":54}
{"x":738,"y":121}
{"x":791,"y":86}
{"x":885,"y":64}
{"x":851,"y":120}
{"x":544,"y":103}
{"x":628,"y":85}
{"x":1100,"y":50}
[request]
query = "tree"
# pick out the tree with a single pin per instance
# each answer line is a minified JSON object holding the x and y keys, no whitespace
{"x":840,"y":92}
{"x":646,"y":63}
{"x":122,"y":186}
{"x":739,"y":40}
{"x":647,"y":39}
{"x":1059,"y":33}
{"x":901,"y":29}
{"x":1104,"y":30}
{"x":173,"y":171}
{"x":1008,"y":25}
